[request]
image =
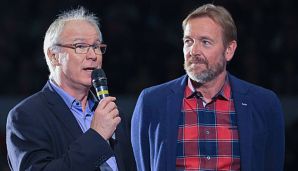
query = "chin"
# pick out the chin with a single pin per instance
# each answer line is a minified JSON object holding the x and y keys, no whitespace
{"x":196,"y":71}
{"x":87,"y":82}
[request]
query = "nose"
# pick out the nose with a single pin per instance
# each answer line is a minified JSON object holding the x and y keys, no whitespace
{"x":91,"y":54}
{"x":195,"y":49}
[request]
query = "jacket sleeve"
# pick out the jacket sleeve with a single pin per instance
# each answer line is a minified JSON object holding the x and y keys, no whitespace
{"x":139,"y":133}
{"x":30,"y":146}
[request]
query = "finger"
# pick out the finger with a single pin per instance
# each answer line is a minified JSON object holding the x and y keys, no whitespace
{"x":114,"y":113}
{"x":110,"y":106}
{"x":103,"y":103}
{"x":117,"y":120}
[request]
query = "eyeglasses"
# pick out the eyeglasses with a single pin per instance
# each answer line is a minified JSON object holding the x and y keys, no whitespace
{"x":83,"y":48}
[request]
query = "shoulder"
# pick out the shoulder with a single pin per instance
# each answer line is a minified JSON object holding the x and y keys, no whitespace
{"x":165,"y":88}
{"x":258,"y":95}
{"x":27,"y":107}
{"x":155,"y":96}
{"x":242,"y":86}
{"x":35,"y":102}
{"x":27,"y":103}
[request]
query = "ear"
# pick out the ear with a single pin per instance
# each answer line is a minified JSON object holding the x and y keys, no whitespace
{"x":53,"y":56}
{"x":230,"y":50}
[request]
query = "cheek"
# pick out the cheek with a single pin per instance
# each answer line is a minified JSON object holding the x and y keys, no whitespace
{"x":186,"y":52}
{"x":63,"y":58}
{"x":99,"y":59}
{"x":67,"y":65}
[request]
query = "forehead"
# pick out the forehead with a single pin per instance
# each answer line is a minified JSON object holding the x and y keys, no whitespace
{"x":79,"y":30}
{"x":202,"y":26}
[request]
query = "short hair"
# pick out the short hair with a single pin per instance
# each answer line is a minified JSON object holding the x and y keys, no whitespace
{"x":220,"y":16}
{"x":53,"y":33}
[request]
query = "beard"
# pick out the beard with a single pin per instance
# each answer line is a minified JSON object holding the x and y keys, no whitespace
{"x":206,"y":75}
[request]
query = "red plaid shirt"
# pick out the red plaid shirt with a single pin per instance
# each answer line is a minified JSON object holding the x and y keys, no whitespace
{"x":208,"y":135}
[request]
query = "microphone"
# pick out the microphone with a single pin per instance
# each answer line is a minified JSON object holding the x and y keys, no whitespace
{"x":100,"y":83}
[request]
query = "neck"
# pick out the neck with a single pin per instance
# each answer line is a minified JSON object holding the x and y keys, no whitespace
{"x":78,"y":92}
{"x":211,"y":88}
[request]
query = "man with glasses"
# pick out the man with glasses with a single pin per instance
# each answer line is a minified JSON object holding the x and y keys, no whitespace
{"x":60,"y":127}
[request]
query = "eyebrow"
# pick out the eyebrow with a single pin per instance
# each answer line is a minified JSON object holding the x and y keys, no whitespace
{"x":81,"y":39}
{"x":185,"y":37}
{"x":198,"y":38}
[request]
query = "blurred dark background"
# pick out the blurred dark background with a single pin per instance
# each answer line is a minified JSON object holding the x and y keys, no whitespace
{"x":144,"y":40}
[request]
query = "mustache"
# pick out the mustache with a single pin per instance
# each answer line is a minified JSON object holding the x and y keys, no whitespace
{"x":197,"y":60}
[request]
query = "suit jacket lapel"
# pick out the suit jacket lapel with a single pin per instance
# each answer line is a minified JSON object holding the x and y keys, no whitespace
{"x":117,"y":150}
{"x":173,"y":112}
{"x":121,"y":145}
{"x":61,"y":111}
{"x":244,"y":115}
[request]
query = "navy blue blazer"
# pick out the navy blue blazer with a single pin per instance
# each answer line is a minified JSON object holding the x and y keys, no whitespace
{"x":260,"y":122}
{"x":43,"y":134}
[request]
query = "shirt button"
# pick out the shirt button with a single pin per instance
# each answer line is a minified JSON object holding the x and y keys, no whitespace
{"x":207,"y":132}
{"x":208,"y":157}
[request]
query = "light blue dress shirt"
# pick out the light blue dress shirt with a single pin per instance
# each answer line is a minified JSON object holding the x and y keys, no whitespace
{"x":84,"y":119}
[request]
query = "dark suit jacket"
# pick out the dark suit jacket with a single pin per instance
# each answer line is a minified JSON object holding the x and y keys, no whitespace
{"x":260,"y":123}
{"x":43,"y":134}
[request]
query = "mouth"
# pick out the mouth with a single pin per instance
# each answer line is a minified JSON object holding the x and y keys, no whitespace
{"x":89,"y":69}
{"x":197,"y":61}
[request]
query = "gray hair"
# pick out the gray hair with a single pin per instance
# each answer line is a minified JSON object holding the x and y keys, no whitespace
{"x":53,"y":33}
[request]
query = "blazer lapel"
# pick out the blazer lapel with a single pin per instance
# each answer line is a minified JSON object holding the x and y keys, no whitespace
{"x":121,"y":145}
{"x":244,"y":119}
{"x":117,"y":150}
{"x":173,"y":112}
{"x":61,"y":111}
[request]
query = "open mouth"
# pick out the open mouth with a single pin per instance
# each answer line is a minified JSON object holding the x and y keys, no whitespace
{"x":89,"y":69}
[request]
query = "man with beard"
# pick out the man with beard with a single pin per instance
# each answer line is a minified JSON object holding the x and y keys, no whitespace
{"x":208,"y":119}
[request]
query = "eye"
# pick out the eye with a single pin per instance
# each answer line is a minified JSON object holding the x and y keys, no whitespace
{"x":187,"y":41}
{"x":96,"y":46}
{"x":81,"y":45}
{"x":206,"y":42}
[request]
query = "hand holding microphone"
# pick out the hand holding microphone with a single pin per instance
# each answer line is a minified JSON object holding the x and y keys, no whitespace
{"x":106,"y":115}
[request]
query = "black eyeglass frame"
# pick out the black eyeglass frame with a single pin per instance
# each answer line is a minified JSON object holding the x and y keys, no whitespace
{"x":83,"y":48}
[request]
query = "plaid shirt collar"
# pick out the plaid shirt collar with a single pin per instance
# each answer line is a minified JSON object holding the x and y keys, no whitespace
{"x":224,"y":93}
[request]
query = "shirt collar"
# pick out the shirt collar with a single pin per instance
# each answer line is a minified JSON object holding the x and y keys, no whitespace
{"x":225,"y":91}
{"x":68,"y":99}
